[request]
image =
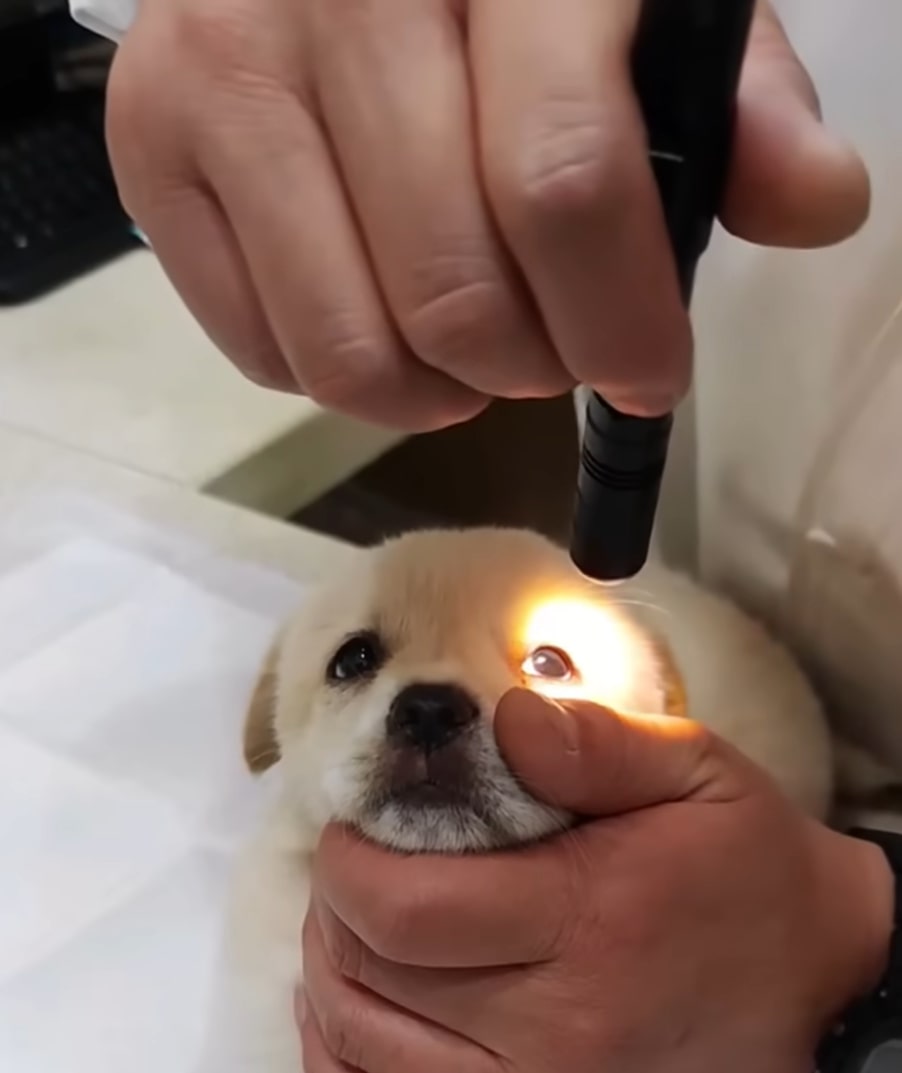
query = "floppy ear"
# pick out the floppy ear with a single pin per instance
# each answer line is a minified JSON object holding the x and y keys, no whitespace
{"x":675,"y":702}
{"x":261,"y":749}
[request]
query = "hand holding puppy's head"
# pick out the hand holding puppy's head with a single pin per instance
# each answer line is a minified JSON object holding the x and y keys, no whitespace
{"x":377,"y":699}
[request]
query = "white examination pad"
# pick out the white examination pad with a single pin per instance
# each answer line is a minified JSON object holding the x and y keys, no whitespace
{"x":126,"y":662}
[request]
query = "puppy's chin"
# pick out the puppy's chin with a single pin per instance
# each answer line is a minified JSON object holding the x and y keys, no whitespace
{"x":462,"y":800}
{"x":461,"y":828}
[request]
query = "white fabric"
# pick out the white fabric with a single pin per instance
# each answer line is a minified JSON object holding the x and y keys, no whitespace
{"x":107,"y":18}
{"x":785,"y":475}
{"x":798,"y":416}
{"x":126,"y":660}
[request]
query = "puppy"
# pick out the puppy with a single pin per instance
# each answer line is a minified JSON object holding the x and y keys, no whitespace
{"x":375,"y":709}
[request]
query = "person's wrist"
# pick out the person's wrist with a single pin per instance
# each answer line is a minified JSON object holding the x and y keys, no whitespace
{"x":856,"y":891}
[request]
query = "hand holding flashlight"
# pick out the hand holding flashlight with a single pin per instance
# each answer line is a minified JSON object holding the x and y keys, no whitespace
{"x":405,"y":209}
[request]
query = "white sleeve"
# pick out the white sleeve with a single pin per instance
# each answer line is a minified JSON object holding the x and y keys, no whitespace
{"x":799,"y":399}
{"x":107,"y":18}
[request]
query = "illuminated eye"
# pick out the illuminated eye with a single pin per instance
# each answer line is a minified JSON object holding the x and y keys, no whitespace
{"x":359,"y":657}
{"x":550,"y":663}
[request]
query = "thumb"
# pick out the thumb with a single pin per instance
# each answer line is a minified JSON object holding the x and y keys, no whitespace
{"x":585,"y":759}
{"x":792,"y":183}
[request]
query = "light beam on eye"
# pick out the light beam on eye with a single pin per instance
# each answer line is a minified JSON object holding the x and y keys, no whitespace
{"x":601,"y":644}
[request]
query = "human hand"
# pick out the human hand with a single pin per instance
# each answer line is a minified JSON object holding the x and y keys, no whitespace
{"x":405,"y":208}
{"x":706,"y":925}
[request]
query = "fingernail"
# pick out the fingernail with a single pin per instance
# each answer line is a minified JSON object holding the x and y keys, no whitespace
{"x":647,"y":405}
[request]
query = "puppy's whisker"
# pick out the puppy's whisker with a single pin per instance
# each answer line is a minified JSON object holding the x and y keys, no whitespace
{"x":638,"y":591}
{"x":647,"y":604}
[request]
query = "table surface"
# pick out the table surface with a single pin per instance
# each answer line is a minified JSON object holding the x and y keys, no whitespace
{"x":114,"y":366}
{"x":32,"y":468}
{"x":136,"y":614}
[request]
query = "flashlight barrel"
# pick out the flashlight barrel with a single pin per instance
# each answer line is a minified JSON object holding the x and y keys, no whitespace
{"x":686,"y":64}
{"x":621,"y":468}
{"x":687,"y":60}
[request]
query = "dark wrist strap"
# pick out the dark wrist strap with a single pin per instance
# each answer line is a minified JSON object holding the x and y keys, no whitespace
{"x":878,"y":1016}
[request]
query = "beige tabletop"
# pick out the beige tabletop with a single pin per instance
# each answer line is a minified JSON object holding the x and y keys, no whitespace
{"x":36,"y":474}
{"x":113,"y":366}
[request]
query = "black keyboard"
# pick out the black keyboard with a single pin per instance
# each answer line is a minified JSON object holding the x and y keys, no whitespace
{"x":60,"y":214}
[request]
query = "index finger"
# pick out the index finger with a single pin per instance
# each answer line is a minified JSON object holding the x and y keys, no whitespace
{"x":567,"y":173}
{"x":489,"y":910}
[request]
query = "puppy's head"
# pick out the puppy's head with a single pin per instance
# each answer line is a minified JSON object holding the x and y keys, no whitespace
{"x":377,"y":699}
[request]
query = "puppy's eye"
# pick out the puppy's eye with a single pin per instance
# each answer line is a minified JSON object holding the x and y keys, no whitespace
{"x":549,"y":663}
{"x":360,"y":656}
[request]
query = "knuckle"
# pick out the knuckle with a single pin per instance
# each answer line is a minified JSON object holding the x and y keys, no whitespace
{"x":344,"y":366}
{"x":229,"y":54}
{"x":453,"y":321}
{"x":346,"y":953}
{"x":131,"y":105}
{"x":396,"y":922}
{"x":569,"y":163}
{"x":262,"y":364}
{"x":269,"y":378}
{"x":388,"y":938}
{"x":219,"y":38}
{"x":340,"y":1028}
{"x":151,"y":171}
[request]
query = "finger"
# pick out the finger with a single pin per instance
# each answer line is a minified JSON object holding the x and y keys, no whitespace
{"x":566,"y":170}
{"x":469,"y":1002}
{"x":791,"y":182}
{"x":448,"y":912}
{"x":395,"y":75}
{"x":273,"y":174}
{"x":163,"y":193}
{"x":365,"y":1032}
{"x":590,"y":761}
{"x":317,"y":1058}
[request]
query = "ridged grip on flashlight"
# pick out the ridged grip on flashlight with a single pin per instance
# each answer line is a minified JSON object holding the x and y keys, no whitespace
{"x":620,"y":474}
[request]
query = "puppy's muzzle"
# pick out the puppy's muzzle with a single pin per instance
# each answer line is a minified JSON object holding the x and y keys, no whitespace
{"x":428,"y":716}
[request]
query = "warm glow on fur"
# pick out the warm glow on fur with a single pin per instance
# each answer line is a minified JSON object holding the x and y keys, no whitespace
{"x":600,"y":643}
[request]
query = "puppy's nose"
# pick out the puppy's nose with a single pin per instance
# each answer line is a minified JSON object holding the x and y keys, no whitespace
{"x":429,"y":715}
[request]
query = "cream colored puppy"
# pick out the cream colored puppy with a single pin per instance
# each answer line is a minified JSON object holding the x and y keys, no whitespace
{"x":375,"y":709}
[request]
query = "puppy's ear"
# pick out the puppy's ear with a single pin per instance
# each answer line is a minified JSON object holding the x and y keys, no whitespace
{"x":675,"y":702}
{"x":261,"y":749}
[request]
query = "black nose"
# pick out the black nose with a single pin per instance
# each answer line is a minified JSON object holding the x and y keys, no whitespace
{"x":429,"y":715}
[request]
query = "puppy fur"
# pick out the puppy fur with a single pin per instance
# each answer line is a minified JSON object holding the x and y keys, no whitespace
{"x":463,"y":611}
